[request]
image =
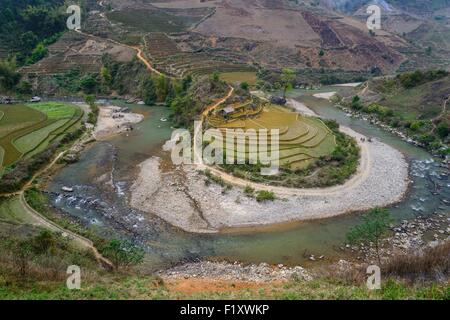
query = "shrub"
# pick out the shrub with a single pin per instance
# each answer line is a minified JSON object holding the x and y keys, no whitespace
{"x":249,"y":191}
{"x":431,"y":264}
{"x":123,"y":253}
{"x":443,"y":130}
{"x":263,"y":196}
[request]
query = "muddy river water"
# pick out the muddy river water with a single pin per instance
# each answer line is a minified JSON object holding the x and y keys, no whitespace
{"x":101,"y":180}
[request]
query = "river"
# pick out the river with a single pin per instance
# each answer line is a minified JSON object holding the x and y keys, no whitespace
{"x":106,"y":170}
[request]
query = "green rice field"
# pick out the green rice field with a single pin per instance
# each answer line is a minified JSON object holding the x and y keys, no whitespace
{"x":28,"y":129}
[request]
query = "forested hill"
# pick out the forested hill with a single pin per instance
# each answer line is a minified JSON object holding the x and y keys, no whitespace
{"x":25,"y":24}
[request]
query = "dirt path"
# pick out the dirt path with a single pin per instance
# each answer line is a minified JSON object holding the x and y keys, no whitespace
{"x":48,"y":224}
{"x":218,"y":103}
{"x":139,"y":52}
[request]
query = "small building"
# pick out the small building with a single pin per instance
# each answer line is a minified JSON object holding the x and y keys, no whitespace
{"x":227,"y":111}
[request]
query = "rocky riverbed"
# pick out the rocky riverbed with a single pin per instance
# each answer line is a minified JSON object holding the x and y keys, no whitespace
{"x":408,"y":237}
{"x":236,"y":272}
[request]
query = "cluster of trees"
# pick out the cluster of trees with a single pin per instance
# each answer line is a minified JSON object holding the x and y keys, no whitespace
{"x":190,"y":96}
{"x":14,"y":178}
{"x":93,"y":115}
{"x":9,"y":77}
{"x":413,"y":79}
{"x":50,"y":253}
{"x":424,"y":131}
{"x":27,"y":26}
{"x":45,"y":249}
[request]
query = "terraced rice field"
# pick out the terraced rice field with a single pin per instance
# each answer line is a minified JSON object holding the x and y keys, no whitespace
{"x":168,"y":58}
{"x":302,"y":139}
{"x":156,"y":20}
{"x":28,"y":129}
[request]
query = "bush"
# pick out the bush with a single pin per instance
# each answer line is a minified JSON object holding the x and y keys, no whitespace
{"x":249,"y":191}
{"x":443,"y":130}
{"x":432,"y":264}
{"x":263,"y":196}
{"x":123,"y":253}
{"x":148,"y":91}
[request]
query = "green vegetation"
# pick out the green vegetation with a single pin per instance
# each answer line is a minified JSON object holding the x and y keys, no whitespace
{"x":231,"y":77}
{"x":287,"y":78}
{"x":55,"y":110}
{"x":9,"y":77}
{"x":374,"y":227}
{"x":414,"y":103}
{"x":27,"y":26}
{"x":28,"y":130}
{"x":93,"y":115}
{"x":263,"y":196}
{"x":413,"y":79}
{"x":30,"y":141}
{"x":148,"y":91}
{"x":191,"y":96}
{"x":100,"y":285}
{"x":123,"y":254}
{"x":44,"y":255}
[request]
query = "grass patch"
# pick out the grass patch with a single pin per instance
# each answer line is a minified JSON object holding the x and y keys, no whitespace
{"x":264,"y":196}
{"x":55,"y":110}
{"x":30,"y":141}
{"x":232,"y":77}
{"x":16,"y":117}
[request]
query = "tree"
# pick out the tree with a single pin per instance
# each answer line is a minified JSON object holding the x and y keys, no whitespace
{"x":21,"y":252}
{"x":123,"y":253}
{"x":244,"y":86}
{"x":162,"y":87}
{"x":88,"y":83}
{"x":356,"y":103}
{"x":24,"y":87}
{"x":216,"y":76}
{"x":106,"y":76}
{"x":443,"y":130}
{"x":8,"y":75}
{"x":287,"y":78}
{"x":37,"y":54}
{"x":148,"y":91}
{"x":45,"y":242}
{"x":374,"y":226}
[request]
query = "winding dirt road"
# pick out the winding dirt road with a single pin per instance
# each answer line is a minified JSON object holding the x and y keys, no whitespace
{"x":217,"y":104}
